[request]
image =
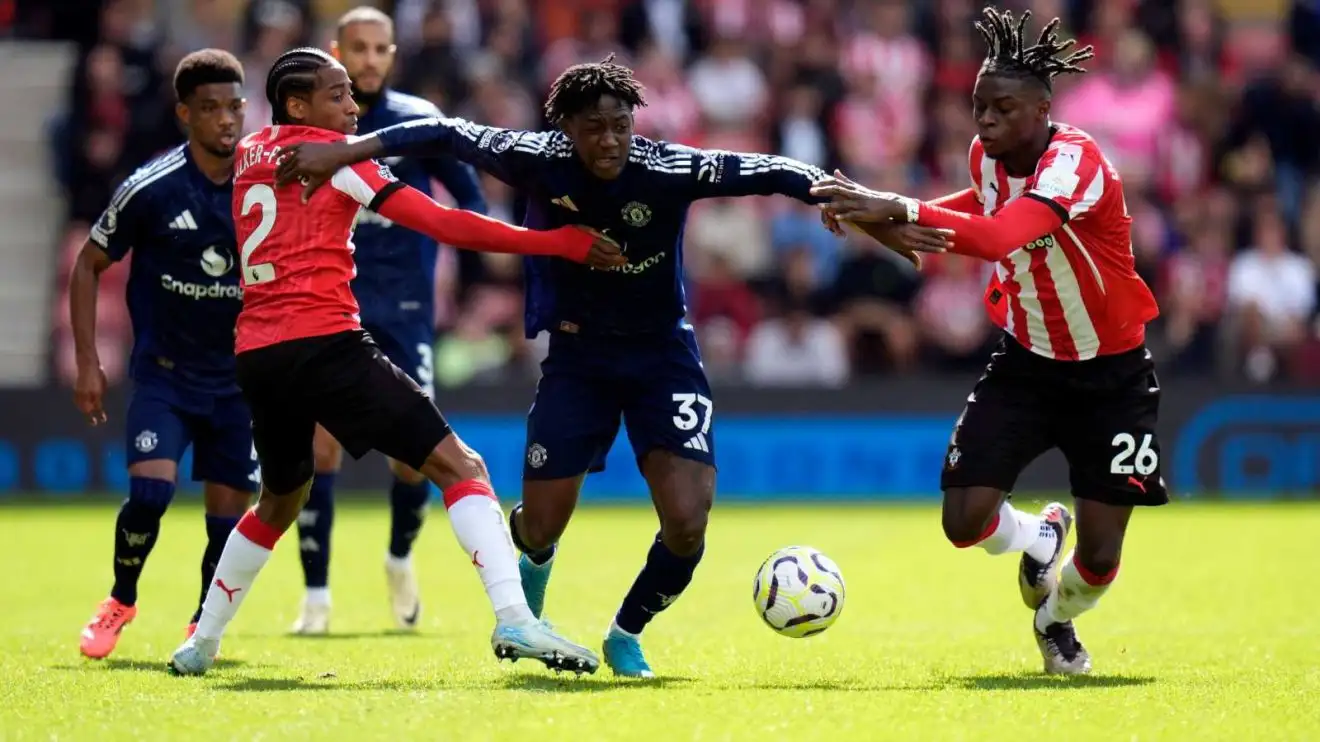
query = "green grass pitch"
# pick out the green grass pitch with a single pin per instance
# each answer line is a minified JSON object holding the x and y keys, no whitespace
{"x":1210,"y":633}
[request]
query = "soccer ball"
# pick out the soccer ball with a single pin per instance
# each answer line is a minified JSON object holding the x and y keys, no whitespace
{"x":798,"y":592}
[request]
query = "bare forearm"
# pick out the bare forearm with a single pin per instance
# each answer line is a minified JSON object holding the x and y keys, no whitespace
{"x":84,"y":285}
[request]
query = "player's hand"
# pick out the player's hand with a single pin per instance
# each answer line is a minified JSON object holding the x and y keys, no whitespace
{"x":908,"y":240}
{"x":850,"y":201}
{"x":910,"y":237}
{"x":605,"y":253}
{"x":830,"y":221}
{"x":311,"y":163}
{"x":88,"y":393}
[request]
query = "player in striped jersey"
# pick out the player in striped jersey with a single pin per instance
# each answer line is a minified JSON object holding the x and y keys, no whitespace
{"x":395,"y":287}
{"x":184,"y":298}
{"x":619,"y":346}
{"x":1072,"y":371}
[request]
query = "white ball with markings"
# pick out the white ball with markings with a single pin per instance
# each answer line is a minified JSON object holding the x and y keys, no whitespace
{"x":799,"y":592}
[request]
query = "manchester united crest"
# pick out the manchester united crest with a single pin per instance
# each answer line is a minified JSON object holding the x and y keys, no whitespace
{"x":636,"y":214}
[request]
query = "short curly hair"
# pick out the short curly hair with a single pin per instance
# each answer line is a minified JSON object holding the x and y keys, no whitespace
{"x":580,"y":86}
{"x":205,"y":67}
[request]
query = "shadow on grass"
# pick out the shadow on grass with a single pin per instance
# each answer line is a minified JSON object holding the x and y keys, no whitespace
{"x":515,"y":682}
{"x":382,"y":634}
{"x":115,"y":663}
{"x":1008,"y":681}
{"x":566,"y":683}
{"x":832,"y":686}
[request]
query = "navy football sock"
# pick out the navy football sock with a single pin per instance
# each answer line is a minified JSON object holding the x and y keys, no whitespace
{"x":314,"y":523}
{"x":537,"y":556}
{"x":665,"y":577}
{"x":407,"y":512}
{"x":217,"y":533}
{"x":135,"y":532}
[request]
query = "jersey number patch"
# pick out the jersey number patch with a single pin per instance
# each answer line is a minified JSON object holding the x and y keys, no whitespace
{"x":687,"y":417}
{"x":264,"y":196}
{"x":1146,"y":459}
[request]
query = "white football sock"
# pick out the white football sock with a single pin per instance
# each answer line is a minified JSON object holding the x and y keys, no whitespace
{"x":1076,"y":593}
{"x":478,"y":522}
{"x":318,"y":596}
{"x":1019,"y":531}
{"x":239,"y":564}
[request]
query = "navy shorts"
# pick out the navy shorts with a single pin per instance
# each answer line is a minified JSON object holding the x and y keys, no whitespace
{"x":162,"y":422}
{"x":655,"y":385}
{"x":409,"y":345}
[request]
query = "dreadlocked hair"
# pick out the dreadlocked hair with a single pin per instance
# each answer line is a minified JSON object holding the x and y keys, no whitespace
{"x":1007,"y":53}
{"x":580,"y":86}
{"x":293,"y":74}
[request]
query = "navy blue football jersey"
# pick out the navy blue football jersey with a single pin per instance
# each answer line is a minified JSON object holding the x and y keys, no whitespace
{"x":396,"y":266}
{"x":183,"y":291}
{"x":644,"y":209}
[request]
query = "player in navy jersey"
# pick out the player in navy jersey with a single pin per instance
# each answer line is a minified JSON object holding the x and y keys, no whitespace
{"x":184,"y":297}
{"x":395,"y":287}
{"x":619,"y":345}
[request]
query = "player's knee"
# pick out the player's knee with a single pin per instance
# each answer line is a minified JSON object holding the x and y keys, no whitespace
{"x":405,"y":473}
{"x":966,"y":513}
{"x":684,"y":531}
{"x":327,"y":454}
{"x":960,"y":529}
{"x":456,"y":460}
{"x":282,"y":482}
{"x":1099,"y":559}
{"x":539,"y":532}
{"x":472,"y":466}
{"x":225,"y":501}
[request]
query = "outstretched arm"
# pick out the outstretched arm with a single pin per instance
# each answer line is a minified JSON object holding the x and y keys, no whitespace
{"x":375,"y":188}
{"x":715,"y":173}
{"x":965,"y":201}
{"x":992,"y":237}
{"x":987,"y":237}
{"x":512,"y":156}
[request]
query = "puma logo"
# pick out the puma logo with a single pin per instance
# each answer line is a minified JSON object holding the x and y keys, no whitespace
{"x":228,"y":592}
{"x":477,"y":562}
{"x":1138,"y":484}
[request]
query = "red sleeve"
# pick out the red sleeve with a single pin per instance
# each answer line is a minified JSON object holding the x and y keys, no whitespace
{"x":416,"y":211}
{"x":965,"y":201}
{"x":993,"y":237}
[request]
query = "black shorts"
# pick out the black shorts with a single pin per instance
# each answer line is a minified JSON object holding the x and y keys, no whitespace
{"x":347,"y":385}
{"x":1100,"y":414}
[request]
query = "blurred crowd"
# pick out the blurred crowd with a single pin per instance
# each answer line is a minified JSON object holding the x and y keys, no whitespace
{"x":1210,"y":111}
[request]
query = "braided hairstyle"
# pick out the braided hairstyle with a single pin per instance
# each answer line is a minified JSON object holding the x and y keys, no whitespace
{"x":580,"y":86}
{"x":1008,"y":55}
{"x":293,"y":74}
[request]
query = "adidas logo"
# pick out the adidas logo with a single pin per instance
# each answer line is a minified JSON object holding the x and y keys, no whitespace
{"x":183,"y":221}
{"x":698,"y":443}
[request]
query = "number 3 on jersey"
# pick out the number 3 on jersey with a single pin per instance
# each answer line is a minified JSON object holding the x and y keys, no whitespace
{"x":259,"y":195}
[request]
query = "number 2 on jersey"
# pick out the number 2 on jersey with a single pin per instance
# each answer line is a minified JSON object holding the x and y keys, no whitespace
{"x":264,"y":196}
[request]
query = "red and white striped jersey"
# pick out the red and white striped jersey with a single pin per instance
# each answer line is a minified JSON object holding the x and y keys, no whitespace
{"x":1074,"y":294}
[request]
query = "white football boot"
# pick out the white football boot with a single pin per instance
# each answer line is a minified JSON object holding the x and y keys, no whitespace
{"x":404,"y":599}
